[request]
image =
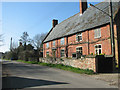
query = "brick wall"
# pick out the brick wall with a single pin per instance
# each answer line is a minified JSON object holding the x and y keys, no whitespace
{"x":104,"y":40}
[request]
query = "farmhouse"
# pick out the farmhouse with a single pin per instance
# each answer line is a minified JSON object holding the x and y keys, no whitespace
{"x":85,"y":33}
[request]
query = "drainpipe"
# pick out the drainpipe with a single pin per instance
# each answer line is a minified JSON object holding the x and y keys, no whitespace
{"x":66,"y":47}
{"x":88,"y":43}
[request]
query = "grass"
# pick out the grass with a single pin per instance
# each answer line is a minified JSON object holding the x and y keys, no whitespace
{"x":61,"y":66}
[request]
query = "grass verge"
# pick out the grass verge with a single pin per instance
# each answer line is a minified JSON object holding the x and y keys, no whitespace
{"x":61,"y":66}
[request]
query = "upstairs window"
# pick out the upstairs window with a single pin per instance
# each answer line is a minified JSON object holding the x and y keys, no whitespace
{"x":79,"y":37}
{"x":79,"y":50}
{"x":47,"y":45}
{"x":53,"y":43}
{"x":62,"y":41}
{"x":98,"y":49}
{"x":97,"y":33}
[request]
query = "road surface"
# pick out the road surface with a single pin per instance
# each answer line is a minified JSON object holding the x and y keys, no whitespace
{"x":20,"y":75}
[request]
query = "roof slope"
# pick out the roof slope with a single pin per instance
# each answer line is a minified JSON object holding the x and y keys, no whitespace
{"x":91,"y":18}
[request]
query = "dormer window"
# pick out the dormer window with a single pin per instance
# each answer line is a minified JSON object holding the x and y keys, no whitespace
{"x":79,"y":37}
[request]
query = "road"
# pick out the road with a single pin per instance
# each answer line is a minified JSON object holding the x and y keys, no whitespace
{"x":20,"y":75}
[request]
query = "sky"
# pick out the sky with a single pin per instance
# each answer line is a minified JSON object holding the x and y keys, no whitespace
{"x":32,"y":17}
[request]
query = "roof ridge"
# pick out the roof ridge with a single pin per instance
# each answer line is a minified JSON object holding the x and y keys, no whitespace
{"x":79,"y":12}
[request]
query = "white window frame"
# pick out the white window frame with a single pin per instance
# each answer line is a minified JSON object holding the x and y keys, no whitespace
{"x":97,"y":33}
{"x":62,"y":42}
{"x":54,"y":43}
{"x":79,"y":47}
{"x":47,"y":45}
{"x":78,"y":35}
{"x":61,"y":54}
{"x":98,"y":49}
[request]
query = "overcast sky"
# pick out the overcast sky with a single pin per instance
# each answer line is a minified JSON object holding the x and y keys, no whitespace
{"x":32,"y":17}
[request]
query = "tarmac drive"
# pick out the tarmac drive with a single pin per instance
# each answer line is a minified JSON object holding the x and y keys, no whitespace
{"x":19,"y":75}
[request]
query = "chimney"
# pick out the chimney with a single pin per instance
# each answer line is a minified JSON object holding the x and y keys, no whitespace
{"x":54,"y":22}
{"x":83,"y":6}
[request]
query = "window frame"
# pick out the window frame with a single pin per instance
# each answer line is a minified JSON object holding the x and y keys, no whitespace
{"x":61,"y":54}
{"x":62,"y":41}
{"x":96,"y":31}
{"x":78,"y":35}
{"x":53,"y":43}
{"x":98,"y":49}
{"x":47,"y":45}
{"x":47,"y":52}
{"x":80,"y":50}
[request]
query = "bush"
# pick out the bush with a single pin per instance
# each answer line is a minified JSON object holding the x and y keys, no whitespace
{"x":91,"y":54}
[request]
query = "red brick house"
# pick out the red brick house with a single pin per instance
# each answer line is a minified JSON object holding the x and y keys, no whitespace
{"x":87,"y":32}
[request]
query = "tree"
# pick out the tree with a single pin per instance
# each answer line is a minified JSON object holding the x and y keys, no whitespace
{"x":1,"y":39}
{"x":37,"y":43}
{"x":25,"y":39}
{"x":37,"y":40}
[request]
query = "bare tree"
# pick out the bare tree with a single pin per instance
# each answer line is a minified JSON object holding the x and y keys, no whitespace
{"x":37,"y":40}
{"x":37,"y":43}
{"x":25,"y":38}
{"x":14,"y":45}
{"x":1,"y":39}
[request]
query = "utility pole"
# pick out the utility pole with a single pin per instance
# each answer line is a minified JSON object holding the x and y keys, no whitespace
{"x":11,"y":44}
{"x":112,"y":33}
{"x":112,"y":29}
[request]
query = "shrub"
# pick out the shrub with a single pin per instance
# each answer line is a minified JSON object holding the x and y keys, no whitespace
{"x":91,"y":54}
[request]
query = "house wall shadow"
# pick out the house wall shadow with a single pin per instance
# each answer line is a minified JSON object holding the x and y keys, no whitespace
{"x":20,"y":83}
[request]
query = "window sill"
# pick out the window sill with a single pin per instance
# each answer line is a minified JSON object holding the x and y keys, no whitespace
{"x":97,"y":37}
{"x":79,"y":41}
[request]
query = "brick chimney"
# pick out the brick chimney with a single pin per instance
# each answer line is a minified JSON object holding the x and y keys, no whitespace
{"x":54,"y":22}
{"x":83,"y":6}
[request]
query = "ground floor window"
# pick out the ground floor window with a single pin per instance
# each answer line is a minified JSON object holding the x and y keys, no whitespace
{"x":62,"y":53}
{"x":47,"y":53}
{"x":98,"y":49}
{"x":79,"y":50}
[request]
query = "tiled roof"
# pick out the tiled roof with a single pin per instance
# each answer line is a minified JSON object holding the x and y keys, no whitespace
{"x":91,"y":18}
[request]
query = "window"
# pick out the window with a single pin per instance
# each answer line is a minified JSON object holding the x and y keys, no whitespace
{"x":97,"y":33}
{"x":79,"y":50}
{"x":47,"y":45}
{"x":62,"y":41}
{"x":47,"y":53}
{"x":98,"y":49}
{"x":79,"y":37}
{"x":53,"y":43}
{"x":62,"y":53}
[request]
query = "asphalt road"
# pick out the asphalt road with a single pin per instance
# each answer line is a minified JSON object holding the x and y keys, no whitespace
{"x":20,"y":75}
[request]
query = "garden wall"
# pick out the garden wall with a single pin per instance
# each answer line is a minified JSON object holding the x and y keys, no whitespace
{"x":82,"y":63}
